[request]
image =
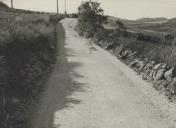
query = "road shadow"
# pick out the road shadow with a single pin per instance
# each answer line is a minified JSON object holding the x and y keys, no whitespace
{"x":59,"y":87}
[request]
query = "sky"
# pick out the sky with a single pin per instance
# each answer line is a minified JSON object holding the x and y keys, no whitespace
{"x":127,"y":9}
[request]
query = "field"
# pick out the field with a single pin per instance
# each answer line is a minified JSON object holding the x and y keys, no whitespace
{"x":153,"y":38}
{"x":27,"y":53}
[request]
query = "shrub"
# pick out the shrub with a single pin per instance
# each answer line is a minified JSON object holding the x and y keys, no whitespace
{"x":90,"y":18}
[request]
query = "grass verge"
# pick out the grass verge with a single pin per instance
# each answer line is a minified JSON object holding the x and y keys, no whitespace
{"x":27,"y":53}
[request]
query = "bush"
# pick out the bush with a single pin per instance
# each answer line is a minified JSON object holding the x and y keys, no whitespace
{"x":90,"y":18}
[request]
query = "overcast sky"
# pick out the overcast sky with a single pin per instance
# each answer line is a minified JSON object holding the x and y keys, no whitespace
{"x":128,"y":9}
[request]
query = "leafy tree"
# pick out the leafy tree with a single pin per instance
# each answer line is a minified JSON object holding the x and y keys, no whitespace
{"x":90,"y":18}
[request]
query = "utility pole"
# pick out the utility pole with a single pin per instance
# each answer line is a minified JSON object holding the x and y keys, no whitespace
{"x":57,"y":7}
{"x":65,"y":7}
{"x":11,"y":3}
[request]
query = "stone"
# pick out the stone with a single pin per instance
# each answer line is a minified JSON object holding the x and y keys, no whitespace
{"x":147,"y":73}
{"x":135,"y":63}
{"x":129,"y":51}
{"x":107,"y":45}
{"x":169,"y":74}
{"x":156,"y":67}
{"x":133,"y":54}
{"x":148,"y":66}
{"x":156,"y":84}
{"x":164,"y":66}
{"x":160,"y":85}
{"x":142,"y":65}
{"x":163,"y":85}
{"x":125,"y":53}
{"x":171,"y":88}
{"x":159,"y":74}
{"x":151,"y":75}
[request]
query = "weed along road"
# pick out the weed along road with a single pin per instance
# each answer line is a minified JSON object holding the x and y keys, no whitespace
{"x":90,"y":88}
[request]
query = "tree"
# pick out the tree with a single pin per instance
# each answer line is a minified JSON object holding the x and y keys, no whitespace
{"x":120,"y":25}
{"x":90,"y":18}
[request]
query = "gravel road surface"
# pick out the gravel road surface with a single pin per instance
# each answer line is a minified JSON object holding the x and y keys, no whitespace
{"x":90,"y":88}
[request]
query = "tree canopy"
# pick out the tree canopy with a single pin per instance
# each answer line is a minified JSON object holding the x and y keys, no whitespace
{"x":90,"y":17}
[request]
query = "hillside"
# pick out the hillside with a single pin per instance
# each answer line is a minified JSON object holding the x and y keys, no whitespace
{"x":3,"y":6}
{"x":171,"y":23}
{"x":159,"y":24}
{"x":111,"y":19}
{"x":168,"y":26}
{"x":139,"y":21}
{"x":157,"y":19}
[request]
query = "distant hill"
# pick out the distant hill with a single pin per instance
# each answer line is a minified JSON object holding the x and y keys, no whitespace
{"x":157,"y":19}
{"x":171,"y":23}
{"x":113,"y":19}
{"x":143,"y":22}
{"x":158,"y":24}
{"x":3,"y":6}
{"x":168,"y":25}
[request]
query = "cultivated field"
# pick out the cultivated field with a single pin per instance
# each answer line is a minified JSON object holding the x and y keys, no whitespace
{"x":151,"y":38}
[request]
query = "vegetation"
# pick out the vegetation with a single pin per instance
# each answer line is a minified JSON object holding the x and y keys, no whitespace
{"x":3,"y":6}
{"x":148,"y":45}
{"x":27,"y":53}
{"x":157,"y":46}
{"x":90,"y":18}
{"x":160,"y":48}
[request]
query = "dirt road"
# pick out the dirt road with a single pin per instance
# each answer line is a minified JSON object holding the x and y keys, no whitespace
{"x":92,"y":89}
